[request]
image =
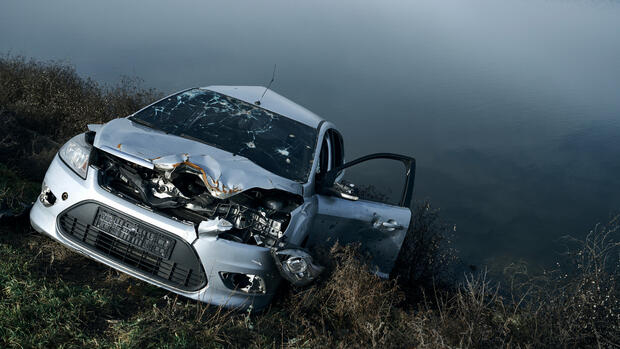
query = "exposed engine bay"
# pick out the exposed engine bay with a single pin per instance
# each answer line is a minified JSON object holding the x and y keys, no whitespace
{"x":254,"y":216}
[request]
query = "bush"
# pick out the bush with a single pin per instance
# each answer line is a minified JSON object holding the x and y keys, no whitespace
{"x":43,"y":104}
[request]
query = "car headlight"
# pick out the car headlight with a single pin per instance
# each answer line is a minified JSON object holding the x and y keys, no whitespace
{"x":296,"y":266}
{"x":76,"y":154}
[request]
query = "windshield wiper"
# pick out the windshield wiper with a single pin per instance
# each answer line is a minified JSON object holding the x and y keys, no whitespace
{"x":186,"y":136}
{"x":146,"y":123}
{"x":183,"y":135}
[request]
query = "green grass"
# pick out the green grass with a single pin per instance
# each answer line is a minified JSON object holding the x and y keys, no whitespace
{"x":52,"y":297}
{"x":37,"y":312}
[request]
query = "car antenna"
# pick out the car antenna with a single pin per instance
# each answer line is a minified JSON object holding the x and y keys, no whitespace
{"x":273,"y":77}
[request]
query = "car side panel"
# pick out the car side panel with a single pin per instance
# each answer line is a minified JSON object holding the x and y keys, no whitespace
{"x":359,"y":221}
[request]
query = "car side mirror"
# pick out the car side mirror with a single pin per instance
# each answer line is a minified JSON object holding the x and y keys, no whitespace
{"x":339,"y":190}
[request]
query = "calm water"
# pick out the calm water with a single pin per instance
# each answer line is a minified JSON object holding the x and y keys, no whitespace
{"x":511,"y":108}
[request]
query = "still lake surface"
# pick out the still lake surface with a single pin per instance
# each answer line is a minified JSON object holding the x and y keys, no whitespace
{"x":512,"y":108}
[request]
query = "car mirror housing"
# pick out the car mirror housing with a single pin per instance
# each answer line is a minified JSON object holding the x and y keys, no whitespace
{"x":339,"y":190}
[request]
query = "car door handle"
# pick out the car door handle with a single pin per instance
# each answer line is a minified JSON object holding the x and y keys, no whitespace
{"x":389,"y":225}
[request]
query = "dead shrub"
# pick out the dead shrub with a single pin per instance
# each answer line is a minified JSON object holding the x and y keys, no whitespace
{"x":426,"y":256}
{"x":351,"y":302}
{"x":574,"y":307}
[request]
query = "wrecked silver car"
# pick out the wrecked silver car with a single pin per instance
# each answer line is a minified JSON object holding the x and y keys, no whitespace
{"x":216,"y":197}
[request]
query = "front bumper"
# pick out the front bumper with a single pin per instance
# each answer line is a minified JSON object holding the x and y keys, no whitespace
{"x":216,"y":255}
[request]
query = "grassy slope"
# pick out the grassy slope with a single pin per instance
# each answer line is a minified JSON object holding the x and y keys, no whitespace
{"x":50,"y":296}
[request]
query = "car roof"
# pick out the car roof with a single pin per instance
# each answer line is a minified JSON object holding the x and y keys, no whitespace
{"x":271,"y":101}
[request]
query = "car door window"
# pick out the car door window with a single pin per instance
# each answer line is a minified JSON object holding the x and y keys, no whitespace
{"x":336,"y":148}
{"x":331,"y":154}
{"x":382,"y":177}
{"x":378,"y":180}
{"x":324,"y":155}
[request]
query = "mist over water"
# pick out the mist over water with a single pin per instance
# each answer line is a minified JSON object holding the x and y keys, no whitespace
{"x":511,"y":108}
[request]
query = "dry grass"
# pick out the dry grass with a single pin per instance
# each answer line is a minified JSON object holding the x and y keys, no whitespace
{"x":349,"y":307}
{"x":426,"y":259}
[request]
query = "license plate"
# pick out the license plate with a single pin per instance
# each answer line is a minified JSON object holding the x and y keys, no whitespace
{"x":134,"y":234}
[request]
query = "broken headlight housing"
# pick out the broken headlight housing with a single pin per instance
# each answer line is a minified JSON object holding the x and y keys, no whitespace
{"x":76,"y":154}
{"x":296,"y":266}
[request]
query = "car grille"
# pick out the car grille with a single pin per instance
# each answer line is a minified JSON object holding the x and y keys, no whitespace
{"x":145,"y":249}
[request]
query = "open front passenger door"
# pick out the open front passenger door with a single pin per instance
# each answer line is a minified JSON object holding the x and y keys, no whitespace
{"x":368,"y":203}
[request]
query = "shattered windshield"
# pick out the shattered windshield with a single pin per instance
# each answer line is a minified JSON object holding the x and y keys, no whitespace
{"x":274,"y":142}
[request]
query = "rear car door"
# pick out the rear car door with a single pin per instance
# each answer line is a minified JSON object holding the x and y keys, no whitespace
{"x":369,"y":203}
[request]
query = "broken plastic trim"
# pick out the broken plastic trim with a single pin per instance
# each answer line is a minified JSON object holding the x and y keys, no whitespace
{"x":247,"y":283}
{"x":47,"y":198}
{"x":296,"y":266}
{"x":212,"y":227}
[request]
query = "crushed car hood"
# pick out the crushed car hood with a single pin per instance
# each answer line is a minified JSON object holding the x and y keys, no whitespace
{"x":223,"y":173}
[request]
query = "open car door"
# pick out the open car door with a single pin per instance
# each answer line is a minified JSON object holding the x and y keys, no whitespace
{"x":369,"y":203}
